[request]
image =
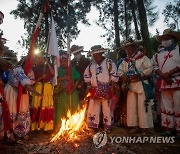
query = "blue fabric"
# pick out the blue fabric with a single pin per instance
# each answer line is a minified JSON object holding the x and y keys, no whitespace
{"x":149,"y":91}
{"x":4,"y":76}
{"x":172,"y":47}
{"x":17,"y":75}
{"x":120,"y":61}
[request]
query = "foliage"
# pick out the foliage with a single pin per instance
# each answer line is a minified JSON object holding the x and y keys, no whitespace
{"x":106,"y":17}
{"x":172,"y":15}
{"x":154,"y":44}
{"x":152,"y":14}
{"x":29,"y":10}
{"x":9,"y":55}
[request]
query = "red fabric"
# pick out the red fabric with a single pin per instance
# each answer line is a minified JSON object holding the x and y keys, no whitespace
{"x":70,"y":83}
{"x":5,"y":113}
{"x":165,"y":59}
{"x":46,"y":115}
{"x":28,"y":65}
{"x":158,"y":84}
{"x":46,"y":6}
{"x":34,"y":114}
{"x":136,"y":57}
{"x":92,"y":92}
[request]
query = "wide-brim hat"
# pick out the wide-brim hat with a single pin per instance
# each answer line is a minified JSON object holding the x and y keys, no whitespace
{"x":130,"y":43}
{"x":96,"y":49}
{"x":168,"y":32}
{"x":75,"y":49}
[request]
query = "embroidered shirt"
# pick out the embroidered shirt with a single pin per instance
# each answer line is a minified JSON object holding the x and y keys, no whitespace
{"x":165,"y":61}
{"x":17,"y":76}
{"x":101,"y":73}
{"x":143,"y":65}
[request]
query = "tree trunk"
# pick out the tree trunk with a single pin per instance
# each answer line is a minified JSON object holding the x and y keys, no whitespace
{"x":116,"y":24}
{"x":126,"y":20}
{"x":138,"y":36}
{"x":144,"y":27}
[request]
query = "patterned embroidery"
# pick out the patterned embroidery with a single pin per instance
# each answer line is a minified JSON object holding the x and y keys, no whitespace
{"x":167,"y":122}
{"x":105,"y":120}
{"x":91,"y":118}
{"x":102,"y":91}
{"x":177,"y":125}
{"x":168,"y":56}
{"x":99,"y":70}
{"x":177,"y":82}
{"x":167,"y":112}
{"x":16,"y":76}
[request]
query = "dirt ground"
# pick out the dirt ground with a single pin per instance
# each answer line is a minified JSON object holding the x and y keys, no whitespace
{"x":38,"y":142}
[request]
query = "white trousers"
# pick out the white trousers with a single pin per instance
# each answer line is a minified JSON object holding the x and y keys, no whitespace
{"x":136,"y":111}
{"x":94,"y":110}
{"x":170,"y":109}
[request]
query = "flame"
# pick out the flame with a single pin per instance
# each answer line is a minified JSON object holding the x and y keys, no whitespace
{"x":88,"y":95}
{"x":71,"y":126}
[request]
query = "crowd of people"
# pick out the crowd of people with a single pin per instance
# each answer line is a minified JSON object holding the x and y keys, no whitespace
{"x":126,"y":91}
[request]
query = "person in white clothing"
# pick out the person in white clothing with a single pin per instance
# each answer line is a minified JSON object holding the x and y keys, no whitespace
{"x":167,"y":66}
{"x":100,"y":75}
{"x":134,"y":70}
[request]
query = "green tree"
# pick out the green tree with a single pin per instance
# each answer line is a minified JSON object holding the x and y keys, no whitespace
{"x":29,"y":10}
{"x":127,"y":10}
{"x":172,"y":15}
{"x":152,"y":14}
{"x":154,"y":44}
{"x":144,"y":27}
{"x":9,"y":55}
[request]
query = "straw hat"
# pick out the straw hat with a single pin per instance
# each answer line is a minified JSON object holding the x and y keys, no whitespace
{"x":168,"y":32}
{"x":96,"y":49}
{"x":76,"y":49}
{"x":131,"y":42}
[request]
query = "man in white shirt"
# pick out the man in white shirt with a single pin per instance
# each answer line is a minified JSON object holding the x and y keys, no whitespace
{"x":100,"y":75}
{"x":167,"y":66}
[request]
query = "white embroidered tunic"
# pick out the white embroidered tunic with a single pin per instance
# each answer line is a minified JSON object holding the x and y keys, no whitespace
{"x":104,"y":73}
{"x":17,"y":75}
{"x":143,"y":65}
{"x":165,"y":61}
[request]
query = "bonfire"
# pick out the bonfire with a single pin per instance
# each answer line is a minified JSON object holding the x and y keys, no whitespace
{"x":72,"y":126}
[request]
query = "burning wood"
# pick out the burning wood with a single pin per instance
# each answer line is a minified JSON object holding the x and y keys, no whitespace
{"x":72,"y":126}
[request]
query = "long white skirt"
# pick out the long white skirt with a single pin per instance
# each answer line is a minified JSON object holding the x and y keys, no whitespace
{"x":21,"y":121}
